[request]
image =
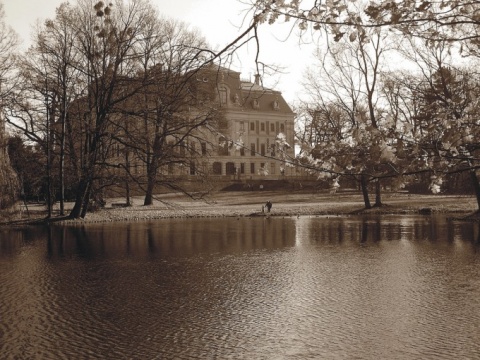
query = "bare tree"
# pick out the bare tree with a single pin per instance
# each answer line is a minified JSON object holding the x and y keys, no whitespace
{"x":172,"y":110}
{"x":56,"y":44}
{"x":105,"y":38}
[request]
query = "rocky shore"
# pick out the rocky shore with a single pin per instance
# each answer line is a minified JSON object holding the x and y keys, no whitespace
{"x":241,"y":204}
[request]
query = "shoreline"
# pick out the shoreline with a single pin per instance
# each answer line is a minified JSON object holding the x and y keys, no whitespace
{"x":249,"y":204}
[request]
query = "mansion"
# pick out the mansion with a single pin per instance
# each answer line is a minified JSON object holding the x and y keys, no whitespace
{"x":251,"y":139}
{"x":260,"y":126}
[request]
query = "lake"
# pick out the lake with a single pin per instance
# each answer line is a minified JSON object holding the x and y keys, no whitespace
{"x":396,"y":287}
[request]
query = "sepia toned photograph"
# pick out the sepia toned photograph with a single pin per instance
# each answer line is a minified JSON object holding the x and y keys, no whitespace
{"x":239,"y":179}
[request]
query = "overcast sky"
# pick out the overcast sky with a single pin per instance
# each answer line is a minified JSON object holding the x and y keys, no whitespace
{"x":220,"y":21}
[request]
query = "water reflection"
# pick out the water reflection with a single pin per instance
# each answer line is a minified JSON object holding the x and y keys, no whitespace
{"x":385,"y":228}
{"x":312,"y":287}
{"x":184,"y":237}
{"x":179,"y":237}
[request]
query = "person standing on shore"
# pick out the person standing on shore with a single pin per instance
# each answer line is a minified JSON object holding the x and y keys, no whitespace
{"x":268,"y":205}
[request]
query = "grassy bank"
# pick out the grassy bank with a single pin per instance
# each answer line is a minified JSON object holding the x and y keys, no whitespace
{"x":249,"y":203}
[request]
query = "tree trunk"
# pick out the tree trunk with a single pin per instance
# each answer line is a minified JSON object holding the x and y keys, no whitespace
{"x":364,"y":184}
{"x":151,"y":179}
{"x":476,"y":186}
{"x":152,"y":171}
{"x":82,"y":199}
{"x":86,"y":200}
{"x":127,"y":194}
{"x":128,"y":177}
{"x":62,"y":169}
{"x":77,"y":207}
{"x":378,"y":194}
{"x":49,"y":142}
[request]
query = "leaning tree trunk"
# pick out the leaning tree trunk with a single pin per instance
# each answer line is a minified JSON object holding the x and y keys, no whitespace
{"x":82,"y":198}
{"x":82,"y":187}
{"x":86,"y":200}
{"x":364,"y":186}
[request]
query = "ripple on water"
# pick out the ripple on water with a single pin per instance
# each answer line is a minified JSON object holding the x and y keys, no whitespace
{"x":310,"y":297}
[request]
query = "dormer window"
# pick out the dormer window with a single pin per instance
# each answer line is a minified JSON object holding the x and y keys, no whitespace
{"x":237,"y":99}
{"x":256,"y":104}
{"x":223,"y":96}
{"x":276,"y":104}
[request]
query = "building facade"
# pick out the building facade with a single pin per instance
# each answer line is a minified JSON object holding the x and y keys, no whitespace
{"x":256,"y":139}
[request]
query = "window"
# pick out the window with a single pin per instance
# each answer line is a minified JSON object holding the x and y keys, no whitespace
{"x":242,"y":126}
{"x":242,"y":151}
{"x":282,"y":128}
{"x":252,"y":126}
{"x":262,"y":126}
{"x":252,"y":168}
{"x":222,"y":146}
{"x":217,"y":168}
{"x":272,"y":127}
{"x":223,"y":97}
{"x":230,"y":168}
{"x":276,"y":105}
{"x":272,"y":150}
{"x":262,"y":149}
{"x":204,"y":148}
{"x":272,"y":168}
{"x":252,"y":149}
{"x":242,"y":168}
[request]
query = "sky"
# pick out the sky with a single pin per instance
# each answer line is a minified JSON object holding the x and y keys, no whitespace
{"x":220,"y":21}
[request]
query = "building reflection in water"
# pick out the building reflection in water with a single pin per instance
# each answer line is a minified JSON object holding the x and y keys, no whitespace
{"x":185,"y":237}
{"x":173,"y":237}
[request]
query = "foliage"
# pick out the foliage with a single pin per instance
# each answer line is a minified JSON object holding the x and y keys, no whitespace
{"x":29,"y":165}
{"x":378,"y":124}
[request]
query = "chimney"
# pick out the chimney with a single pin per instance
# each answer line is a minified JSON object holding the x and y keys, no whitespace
{"x":257,"y":79}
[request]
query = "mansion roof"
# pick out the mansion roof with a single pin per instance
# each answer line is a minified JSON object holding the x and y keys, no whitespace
{"x":245,"y":95}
